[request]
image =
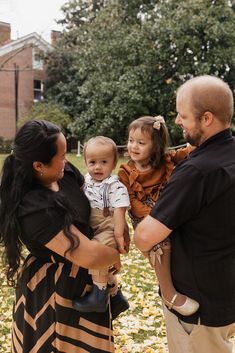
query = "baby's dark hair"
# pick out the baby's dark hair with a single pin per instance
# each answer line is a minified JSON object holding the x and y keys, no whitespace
{"x":157,"y":129}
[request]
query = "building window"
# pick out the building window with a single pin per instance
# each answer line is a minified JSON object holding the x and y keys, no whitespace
{"x":37,"y":61}
{"x":38,"y":90}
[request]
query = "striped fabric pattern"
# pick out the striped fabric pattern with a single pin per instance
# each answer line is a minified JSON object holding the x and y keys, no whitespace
{"x":44,"y":320}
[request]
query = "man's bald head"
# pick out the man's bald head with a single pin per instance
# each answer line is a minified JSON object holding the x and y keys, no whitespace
{"x":209,"y":94}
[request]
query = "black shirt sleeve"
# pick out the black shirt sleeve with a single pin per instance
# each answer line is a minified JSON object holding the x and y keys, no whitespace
{"x":44,"y":213}
{"x":39,"y":218}
{"x":42,"y":226}
{"x":182,"y":198}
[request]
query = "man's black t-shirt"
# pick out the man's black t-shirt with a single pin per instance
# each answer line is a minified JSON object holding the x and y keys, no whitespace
{"x":198,"y":204}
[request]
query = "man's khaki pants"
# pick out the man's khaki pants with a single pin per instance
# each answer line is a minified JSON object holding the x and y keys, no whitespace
{"x":190,"y":338}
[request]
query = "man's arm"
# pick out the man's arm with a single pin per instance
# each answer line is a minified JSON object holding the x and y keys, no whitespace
{"x":150,"y":232}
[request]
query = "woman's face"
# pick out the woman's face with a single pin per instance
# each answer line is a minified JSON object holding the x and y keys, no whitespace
{"x":54,"y":170}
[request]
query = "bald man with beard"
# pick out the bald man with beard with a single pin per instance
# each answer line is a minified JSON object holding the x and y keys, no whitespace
{"x":197,"y":210}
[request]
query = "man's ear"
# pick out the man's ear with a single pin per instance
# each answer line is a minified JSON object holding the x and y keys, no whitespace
{"x":208,"y":118}
{"x":37,"y":166}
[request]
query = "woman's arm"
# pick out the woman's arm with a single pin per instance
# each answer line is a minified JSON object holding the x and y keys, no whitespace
{"x":89,"y":254}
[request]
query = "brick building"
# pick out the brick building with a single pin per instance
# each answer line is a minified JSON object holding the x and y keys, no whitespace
{"x":21,"y":76}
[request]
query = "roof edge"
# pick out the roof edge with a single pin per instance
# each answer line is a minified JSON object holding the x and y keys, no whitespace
{"x":29,"y":39}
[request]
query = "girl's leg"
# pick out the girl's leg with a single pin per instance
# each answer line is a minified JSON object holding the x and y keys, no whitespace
{"x":160,"y":257}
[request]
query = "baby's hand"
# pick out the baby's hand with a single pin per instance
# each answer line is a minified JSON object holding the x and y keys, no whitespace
{"x":115,"y":268}
{"x":127,"y":239}
{"x":121,"y":245}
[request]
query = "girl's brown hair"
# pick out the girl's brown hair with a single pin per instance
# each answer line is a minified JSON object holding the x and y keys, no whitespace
{"x":160,"y":137}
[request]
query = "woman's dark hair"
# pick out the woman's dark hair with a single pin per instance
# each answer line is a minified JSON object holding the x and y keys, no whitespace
{"x":160,"y":137}
{"x":35,"y":141}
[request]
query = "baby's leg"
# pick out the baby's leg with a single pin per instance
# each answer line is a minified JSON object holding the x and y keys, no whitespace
{"x":118,"y":301}
{"x":100,"y":281}
{"x":160,"y":257}
{"x":97,"y":299}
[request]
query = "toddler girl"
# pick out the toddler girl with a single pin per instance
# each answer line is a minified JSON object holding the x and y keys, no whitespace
{"x":146,"y":173}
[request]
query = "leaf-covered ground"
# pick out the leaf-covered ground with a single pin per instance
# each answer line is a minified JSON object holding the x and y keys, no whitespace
{"x":140,"y":329}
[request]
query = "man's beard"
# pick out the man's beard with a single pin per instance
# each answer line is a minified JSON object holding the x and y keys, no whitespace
{"x":195,"y":139}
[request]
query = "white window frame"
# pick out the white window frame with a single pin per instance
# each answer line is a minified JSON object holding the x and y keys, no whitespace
{"x":38,"y":92}
{"x":37,"y":63}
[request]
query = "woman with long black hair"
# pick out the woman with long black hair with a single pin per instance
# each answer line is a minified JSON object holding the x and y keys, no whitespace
{"x":43,"y":209}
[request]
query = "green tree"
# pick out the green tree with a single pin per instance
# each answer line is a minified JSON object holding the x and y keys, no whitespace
{"x":78,"y":13}
{"x":121,"y":59}
{"x":195,"y":37}
{"x":46,"y":110}
{"x":111,"y":74}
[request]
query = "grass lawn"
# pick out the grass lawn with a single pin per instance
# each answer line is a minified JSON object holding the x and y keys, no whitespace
{"x":2,"y":157}
{"x":72,"y":157}
{"x":140,"y":329}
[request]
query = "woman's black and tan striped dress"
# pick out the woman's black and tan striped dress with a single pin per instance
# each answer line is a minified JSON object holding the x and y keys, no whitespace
{"x":44,"y":320}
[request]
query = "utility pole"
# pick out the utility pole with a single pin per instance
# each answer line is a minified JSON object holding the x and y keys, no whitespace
{"x":16,"y":70}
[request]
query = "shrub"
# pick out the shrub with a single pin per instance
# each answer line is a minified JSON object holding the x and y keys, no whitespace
{"x":5,"y":145}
